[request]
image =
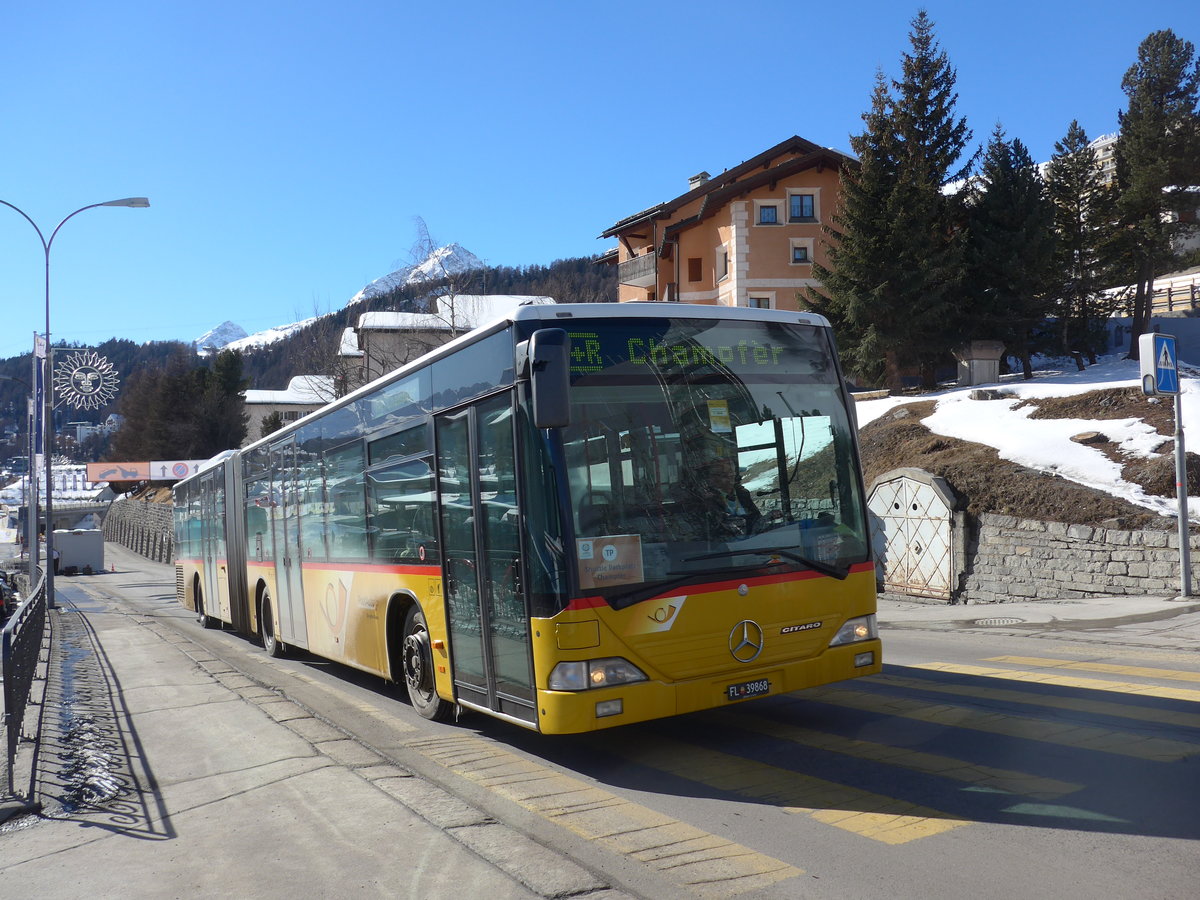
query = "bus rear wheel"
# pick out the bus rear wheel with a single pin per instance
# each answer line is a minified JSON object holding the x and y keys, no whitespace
{"x":417,"y":658}
{"x":205,"y":620}
{"x":266,"y":627}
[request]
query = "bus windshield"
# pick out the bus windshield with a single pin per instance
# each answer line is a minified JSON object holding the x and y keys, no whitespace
{"x":701,"y":448}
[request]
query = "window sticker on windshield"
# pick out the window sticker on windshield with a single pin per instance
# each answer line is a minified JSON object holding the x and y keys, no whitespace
{"x":718,"y":417}
{"x":609,"y":560}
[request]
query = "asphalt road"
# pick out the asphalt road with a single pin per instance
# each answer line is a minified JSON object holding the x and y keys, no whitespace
{"x":986,"y":765}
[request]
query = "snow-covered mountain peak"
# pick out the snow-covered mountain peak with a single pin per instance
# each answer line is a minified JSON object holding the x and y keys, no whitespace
{"x":218,"y":337}
{"x":453,"y":259}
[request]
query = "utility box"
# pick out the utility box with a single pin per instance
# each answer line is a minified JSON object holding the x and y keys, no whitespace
{"x":80,"y":551}
{"x":979,"y":362}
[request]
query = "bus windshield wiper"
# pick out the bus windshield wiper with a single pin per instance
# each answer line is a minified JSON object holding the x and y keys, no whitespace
{"x":837,"y":572}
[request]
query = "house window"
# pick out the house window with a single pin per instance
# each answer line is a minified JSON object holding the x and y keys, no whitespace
{"x":768,"y":215}
{"x":802,"y":208}
{"x":695,"y":268}
{"x":802,"y":251}
{"x":722,"y":263}
{"x":758,"y":302}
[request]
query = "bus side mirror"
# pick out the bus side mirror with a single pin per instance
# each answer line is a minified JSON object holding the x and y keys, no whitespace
{"x":549,"y":366}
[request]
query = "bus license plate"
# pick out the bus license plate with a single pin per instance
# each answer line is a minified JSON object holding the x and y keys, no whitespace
{"x":748,"y":689}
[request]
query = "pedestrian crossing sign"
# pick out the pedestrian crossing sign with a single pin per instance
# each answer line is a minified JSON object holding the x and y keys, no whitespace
{"x":1160,"y":364}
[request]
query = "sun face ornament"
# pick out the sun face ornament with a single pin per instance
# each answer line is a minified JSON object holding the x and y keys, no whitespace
{"x":85,"y":380}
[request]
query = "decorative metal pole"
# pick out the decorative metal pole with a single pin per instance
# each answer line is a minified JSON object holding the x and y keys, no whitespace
{"x":48,"y":414}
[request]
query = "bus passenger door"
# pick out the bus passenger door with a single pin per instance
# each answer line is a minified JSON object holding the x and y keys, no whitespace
{"x":210,"y":523}
{"x":289,"y":584}
{"x":481,"y":563}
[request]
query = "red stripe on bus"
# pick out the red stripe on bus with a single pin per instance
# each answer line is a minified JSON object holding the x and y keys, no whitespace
{"x":701,"y":588}
{"x":353,"y":567}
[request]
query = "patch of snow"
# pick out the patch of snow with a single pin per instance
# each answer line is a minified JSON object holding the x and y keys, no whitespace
{"x":1045,"y":444}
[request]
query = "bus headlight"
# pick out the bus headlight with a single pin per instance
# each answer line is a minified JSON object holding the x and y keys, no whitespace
{"x":594,"y":673}
{"x":861,"y":629}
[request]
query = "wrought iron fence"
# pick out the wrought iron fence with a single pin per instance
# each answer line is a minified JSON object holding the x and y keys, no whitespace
{"x":20,"y":647}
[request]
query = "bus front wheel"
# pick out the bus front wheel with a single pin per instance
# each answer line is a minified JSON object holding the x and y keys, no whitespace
{"x":266,"y":627}
{"x":418,"y":668}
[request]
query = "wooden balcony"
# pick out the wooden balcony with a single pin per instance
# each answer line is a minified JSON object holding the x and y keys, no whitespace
{"x":639,"y":271}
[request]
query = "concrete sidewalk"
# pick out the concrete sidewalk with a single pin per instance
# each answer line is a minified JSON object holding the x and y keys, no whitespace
{"x":165,"y":773}
{"x":1164,"y":622}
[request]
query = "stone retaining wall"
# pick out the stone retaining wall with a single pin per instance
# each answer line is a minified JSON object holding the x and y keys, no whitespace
{"x":145,"y":528}
{"x":1016,"y":559}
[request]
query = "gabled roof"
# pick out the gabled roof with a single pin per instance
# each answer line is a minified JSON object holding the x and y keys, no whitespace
{"x":720,"y":189}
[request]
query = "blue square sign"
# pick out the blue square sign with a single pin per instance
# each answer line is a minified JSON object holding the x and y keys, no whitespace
{"x":1159,"y":363}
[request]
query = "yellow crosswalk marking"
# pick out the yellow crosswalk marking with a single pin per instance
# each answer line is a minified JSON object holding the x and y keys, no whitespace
{"x":679,"y":852}
{"x":1094,"y":684}
{"x":1032,"y":786}
{"x":1105,"y":668}
{"x":881,"y":818}
{"x":1008,"y":725}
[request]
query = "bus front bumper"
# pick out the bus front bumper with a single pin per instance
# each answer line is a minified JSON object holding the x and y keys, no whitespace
{"x":572,"y":712}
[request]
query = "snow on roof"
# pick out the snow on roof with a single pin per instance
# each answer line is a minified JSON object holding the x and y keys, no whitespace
{"x":349,"y":344}
{"x":301,"y":389}
{"x":460,"y":311}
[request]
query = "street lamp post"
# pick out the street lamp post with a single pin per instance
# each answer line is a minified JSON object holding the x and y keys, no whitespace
{"x":48,"y":413}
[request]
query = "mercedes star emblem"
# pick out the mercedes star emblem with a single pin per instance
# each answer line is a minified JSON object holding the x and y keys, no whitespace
{"x":746,"y":640}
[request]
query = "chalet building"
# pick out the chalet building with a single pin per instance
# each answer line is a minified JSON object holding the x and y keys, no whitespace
{"x":304,"y":394}
{"x":746,"y":237}
{"x":382,"y":341}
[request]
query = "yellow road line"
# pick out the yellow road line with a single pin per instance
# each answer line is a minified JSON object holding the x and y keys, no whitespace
{"x":1027,"y":785}
{"x":881,"y":818}
{"x":1066,"y":734}
{"x":1093,"y":684}
{"x":678,"y":851}
{"x":1106,"y":668}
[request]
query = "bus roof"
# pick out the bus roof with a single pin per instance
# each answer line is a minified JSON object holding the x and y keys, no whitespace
{"x":556,"y":312}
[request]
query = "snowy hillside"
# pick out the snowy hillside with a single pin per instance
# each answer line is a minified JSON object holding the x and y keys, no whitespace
{"x":1045,"y":444}
{"x":449,"y":260}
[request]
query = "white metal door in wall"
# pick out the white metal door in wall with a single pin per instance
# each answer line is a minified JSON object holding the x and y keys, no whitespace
{"x":911,"y":526}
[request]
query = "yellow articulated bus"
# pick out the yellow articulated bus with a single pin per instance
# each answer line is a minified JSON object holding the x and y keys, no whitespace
{"x":578,"y":516}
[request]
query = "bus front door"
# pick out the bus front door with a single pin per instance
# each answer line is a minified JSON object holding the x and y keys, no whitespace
{"x":481,"y":563}
{"x":289,"y":582}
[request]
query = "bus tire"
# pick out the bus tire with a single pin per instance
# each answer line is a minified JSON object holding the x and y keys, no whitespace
{"x":417,"y":657}
{"x":266,"y":627}
{"x":206,"y":621}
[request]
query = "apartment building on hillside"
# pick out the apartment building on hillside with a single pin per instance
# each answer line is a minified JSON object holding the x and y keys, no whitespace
{"x":746,"y":237}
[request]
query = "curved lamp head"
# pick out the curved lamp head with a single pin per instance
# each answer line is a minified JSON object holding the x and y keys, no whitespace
{"x":136,"y":202}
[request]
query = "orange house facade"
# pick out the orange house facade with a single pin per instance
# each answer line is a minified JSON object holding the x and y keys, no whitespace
{"x":747,"y":237}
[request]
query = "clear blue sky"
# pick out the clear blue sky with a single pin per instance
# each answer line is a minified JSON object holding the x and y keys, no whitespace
{"x":287,"y":147}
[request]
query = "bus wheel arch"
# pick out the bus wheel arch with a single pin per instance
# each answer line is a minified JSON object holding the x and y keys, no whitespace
{"x":410,"y":655}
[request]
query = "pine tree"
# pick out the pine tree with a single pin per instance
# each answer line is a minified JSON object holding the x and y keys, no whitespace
{"x":896,"y":249}
{"x":1158,"y":159}
{"x":222,"y":414}
{"x":1083,"y":227}
{"x":1010,"y":248}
